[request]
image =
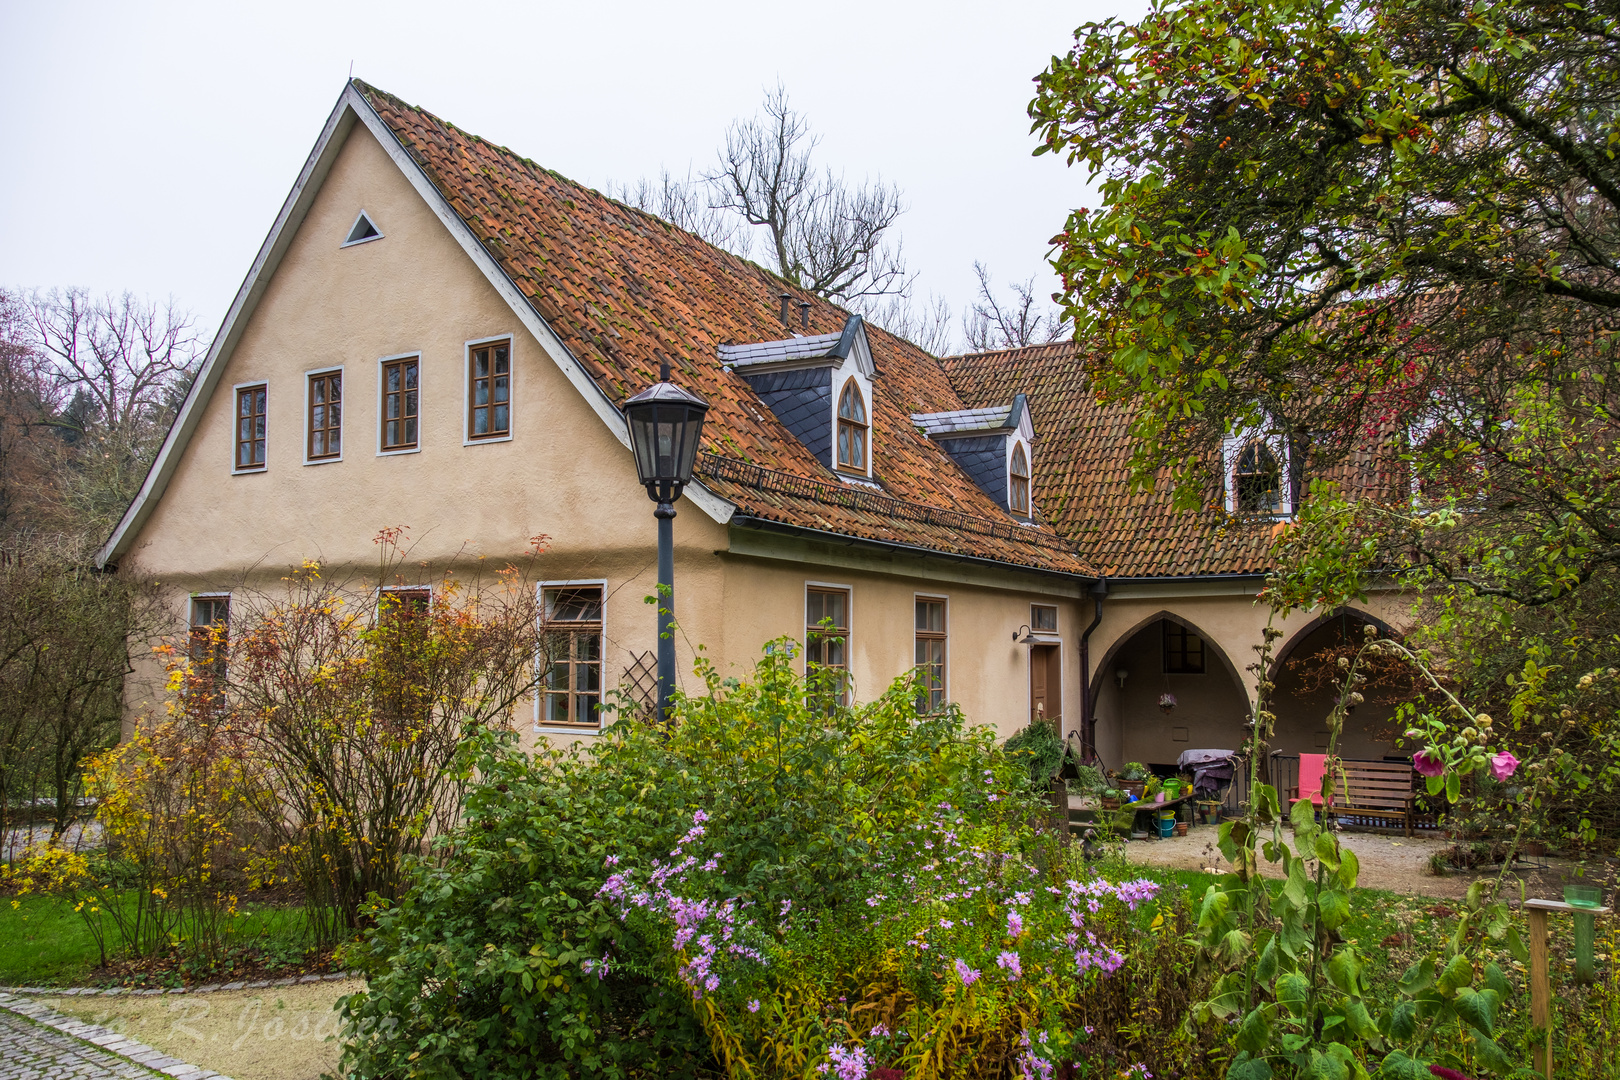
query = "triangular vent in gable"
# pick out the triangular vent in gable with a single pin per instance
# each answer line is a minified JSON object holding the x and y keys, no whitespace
{"x":362,"y":230}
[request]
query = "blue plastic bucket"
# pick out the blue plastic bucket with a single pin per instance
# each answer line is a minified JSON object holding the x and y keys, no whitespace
{"x":1167,"y":827}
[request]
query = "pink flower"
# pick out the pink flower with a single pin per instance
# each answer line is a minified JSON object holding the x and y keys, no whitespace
{"x":1446,"y":1074}
{"x":1504,"y":765}
{"x":753,"y":1006}
{"x":965,"y":973}
{"x":1428,"y":764}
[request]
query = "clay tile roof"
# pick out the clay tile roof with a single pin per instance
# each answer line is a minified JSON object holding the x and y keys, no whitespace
{"x":625,"y":290}
{"x":1081,"y":477}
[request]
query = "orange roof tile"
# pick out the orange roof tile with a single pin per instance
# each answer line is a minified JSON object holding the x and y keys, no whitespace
{"x":1082,"y":474}
{"x":625,"y":290}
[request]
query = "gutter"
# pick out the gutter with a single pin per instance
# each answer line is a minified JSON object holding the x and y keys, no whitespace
{"x":1088,"y":722}
{"x":748,"y":521}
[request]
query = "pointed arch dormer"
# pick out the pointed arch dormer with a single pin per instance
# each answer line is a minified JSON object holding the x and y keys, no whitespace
{"x":1261,"y":474}
{"x":821,"y":388}
{"x":1018,"y":480}
{"x":854,"y":436}
{"x":994,"y":447}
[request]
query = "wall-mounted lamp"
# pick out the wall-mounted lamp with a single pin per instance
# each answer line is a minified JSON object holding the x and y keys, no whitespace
{"x":1120,"y":675}
{"x":1022,"y":633}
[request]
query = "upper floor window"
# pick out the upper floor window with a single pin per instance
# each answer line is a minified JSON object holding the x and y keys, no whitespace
{"x":826,"y":617}
{"x":489,"y":390}
{"x":572,"y":685}
{"x":401,"y":394}
{"x":250,"y":426}
{"x":1183,"y":650}
{"x":325,"y":416}
{"x":1018,"y":482}
{"x":1257,"y":481}
{"x":852,"y":428}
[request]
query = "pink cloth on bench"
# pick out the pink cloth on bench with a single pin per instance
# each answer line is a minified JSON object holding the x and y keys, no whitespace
{"x":1310,"y":778}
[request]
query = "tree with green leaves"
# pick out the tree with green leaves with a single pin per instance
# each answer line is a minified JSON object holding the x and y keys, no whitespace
{"x":1355,"y":223}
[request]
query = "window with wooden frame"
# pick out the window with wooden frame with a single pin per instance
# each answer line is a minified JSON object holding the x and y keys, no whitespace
{"x":1043,"y":617}
{"x":251,"y":402}
{"x":931,"y":655}
{"x":400,"y":403}
{"x":1183,"y":650}
{"x":489,"y":390}
{"x":1257,"y":479}
{"x":325,"y":416}
{"x":402,"y":663}
{"x":209,"y":644}
{"x":826,"y":636}
{"x":1018,"y":481}
{"x":853,"y":429}
{"x":571,"y":692}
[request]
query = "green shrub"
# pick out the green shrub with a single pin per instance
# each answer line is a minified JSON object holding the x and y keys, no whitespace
{"x":1040,"y":749}
{"x":763,"y":885}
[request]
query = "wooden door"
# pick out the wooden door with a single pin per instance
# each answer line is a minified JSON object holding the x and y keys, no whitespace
{"x":1046,"y":686}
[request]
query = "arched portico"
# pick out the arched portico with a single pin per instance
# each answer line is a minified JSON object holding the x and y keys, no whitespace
{"x":1166,"y":653}
{"x":1306,"y":675}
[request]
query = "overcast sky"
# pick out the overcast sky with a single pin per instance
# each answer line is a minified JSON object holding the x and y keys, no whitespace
{"x":149,"y":146}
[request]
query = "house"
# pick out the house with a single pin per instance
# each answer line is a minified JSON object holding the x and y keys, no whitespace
{"x":437,"y":333}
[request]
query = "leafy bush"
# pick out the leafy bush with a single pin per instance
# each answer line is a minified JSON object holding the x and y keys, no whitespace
{"x":1040,"y":749}
{"x":765,"y":887}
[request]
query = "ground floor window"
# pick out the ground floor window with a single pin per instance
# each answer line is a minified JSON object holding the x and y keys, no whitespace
{"x":931,"y":654}
{"x":572,"y":684}
{"x":826,"y":636}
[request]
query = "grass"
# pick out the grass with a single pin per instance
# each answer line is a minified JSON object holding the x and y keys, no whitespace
{"x":44,"y":942}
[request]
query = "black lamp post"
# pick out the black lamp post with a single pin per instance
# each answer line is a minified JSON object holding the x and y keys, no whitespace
{"x":666,"y":423}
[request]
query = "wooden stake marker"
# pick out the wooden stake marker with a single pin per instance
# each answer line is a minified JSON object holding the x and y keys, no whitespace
{"x":1540,"y":989}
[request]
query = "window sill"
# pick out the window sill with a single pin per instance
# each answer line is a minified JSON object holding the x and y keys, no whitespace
{"x":858,"y":479}
{"x":470,"y":441}
{"x":255,"y":471}
{"x":593,"y":732}
{"x":401,"y":450}
{"x":324,"y":460}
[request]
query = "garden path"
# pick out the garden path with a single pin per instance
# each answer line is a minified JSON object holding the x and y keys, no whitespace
{"x":1394,"y":863}
{"x":29,"y":1051}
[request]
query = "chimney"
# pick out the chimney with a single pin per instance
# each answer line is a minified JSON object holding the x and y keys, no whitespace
{"x":786,"y":298}
{"x":804,"y":314}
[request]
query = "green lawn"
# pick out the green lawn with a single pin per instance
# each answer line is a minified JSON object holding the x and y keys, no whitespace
{"x":44,"y":942}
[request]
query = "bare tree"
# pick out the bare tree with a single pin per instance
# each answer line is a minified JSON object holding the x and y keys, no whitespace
{"x":993,"y":324}
{"x":825,"y":235}
{"x":685,"y":204}
{"x":27,"y":439}
{"x":116,"y":369}
{"x":925,"y":325}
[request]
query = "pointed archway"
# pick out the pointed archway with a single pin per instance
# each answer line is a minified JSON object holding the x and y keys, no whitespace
{"x":1306,"y":676}
{"x":1166,"y":653}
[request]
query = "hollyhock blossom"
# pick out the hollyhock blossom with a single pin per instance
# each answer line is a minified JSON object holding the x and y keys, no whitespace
{"x":1428,"y":764}
{"x":1504,"y":765}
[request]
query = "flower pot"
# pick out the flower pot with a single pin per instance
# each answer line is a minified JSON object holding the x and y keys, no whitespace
{"x":1159,"y":798}
{"x":1181,"y":828}
{"x":1134,"y":787}
{"x":1110,"y":804}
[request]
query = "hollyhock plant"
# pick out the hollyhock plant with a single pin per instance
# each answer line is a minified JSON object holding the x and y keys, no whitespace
{"x":1503,"y":766}
{"x":1428,"y":764}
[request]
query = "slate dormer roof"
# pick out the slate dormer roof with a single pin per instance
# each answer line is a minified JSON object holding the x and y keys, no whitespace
{"x":829,"y":347}
{"x":623,"y":290}
{"x":979,"y":441}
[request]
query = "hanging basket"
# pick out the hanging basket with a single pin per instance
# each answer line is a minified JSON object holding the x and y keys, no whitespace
{"x":1167,"y":701}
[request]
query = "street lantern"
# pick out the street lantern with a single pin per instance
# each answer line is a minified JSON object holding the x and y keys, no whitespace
{"x":666,"y":425}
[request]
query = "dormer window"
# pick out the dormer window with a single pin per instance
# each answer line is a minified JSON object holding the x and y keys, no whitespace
{"x":1018,"y":473}
{"x":852,"y":428}
{"x":1256,"y":482}
{"x":992,"y":447}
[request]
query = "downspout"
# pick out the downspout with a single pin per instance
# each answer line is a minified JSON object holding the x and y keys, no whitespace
{"x":1088,"y":722}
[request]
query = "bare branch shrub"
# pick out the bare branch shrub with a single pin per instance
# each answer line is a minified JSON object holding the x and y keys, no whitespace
{"x":1010,"y":324}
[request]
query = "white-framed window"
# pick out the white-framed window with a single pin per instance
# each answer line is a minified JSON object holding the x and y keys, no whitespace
{"x":208,"y":619}
{"x":399,"y":404}
{"x":363,"y":231}
{"x":853,"y":441}
{"x":250,"y":427}
{"x":1018,"y":475}
{"x":323,"y":416}
{"x":931,"y":630}
{"x":1258,"y":476}
{"x":487,"y":389}
{"x":573,"y":617}
{"x":828,"y":621}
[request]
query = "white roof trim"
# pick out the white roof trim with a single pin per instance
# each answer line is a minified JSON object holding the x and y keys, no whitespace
{"x":351,"y":106}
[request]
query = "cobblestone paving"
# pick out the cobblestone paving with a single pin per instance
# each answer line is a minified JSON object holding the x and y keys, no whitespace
{"x":29,"y":1051}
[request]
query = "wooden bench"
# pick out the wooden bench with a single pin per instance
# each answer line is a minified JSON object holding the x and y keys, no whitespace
{"x":1366,"y":792}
